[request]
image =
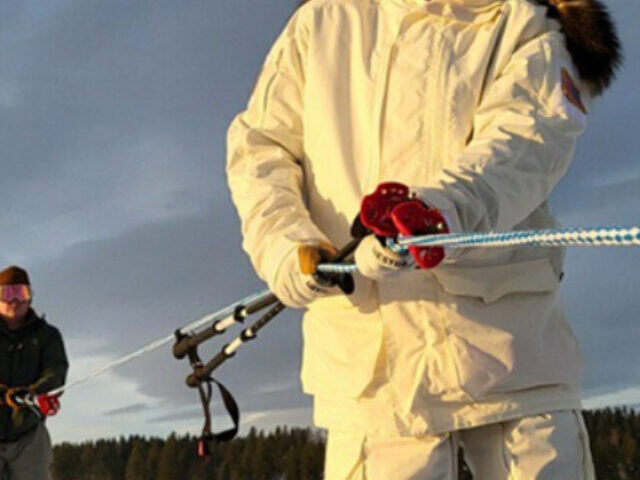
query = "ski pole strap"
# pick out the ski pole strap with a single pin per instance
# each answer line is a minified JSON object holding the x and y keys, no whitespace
{"x":205,"y":394}
{"x":230,"y":404}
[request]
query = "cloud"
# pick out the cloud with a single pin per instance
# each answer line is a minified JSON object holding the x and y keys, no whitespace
{"x":180,"y":414}
{"x":121,"y":121}
{"x":127,"y":410}
{"x":615,"y":398}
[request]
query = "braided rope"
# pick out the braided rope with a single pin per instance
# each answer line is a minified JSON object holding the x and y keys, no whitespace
{"x":601,"y":236}
{"x":570,"y":237}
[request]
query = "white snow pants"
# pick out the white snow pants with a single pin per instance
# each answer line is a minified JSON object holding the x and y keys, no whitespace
{"x":551,"y":446}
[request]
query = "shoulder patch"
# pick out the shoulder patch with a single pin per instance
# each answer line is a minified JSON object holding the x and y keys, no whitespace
{"x":571,"y":91}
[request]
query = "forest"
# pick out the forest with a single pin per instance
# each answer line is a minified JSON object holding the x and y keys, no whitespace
{"x":294,"y":454}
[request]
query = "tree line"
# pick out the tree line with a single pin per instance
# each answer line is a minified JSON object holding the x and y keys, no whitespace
{"x":294,"y":454}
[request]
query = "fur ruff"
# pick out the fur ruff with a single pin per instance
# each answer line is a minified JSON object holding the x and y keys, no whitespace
{"x":591,"y":38}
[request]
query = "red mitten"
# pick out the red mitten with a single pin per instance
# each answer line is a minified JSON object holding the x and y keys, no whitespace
{"x":375,"y":210}
{"x":412,"y":218}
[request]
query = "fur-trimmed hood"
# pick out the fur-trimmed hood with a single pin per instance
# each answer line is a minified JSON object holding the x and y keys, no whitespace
{"x":592,"y":39}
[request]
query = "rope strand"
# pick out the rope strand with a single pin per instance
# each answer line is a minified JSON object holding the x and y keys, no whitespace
{"x":569,"y":237}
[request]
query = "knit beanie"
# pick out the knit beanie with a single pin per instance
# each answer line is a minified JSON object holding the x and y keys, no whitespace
{"x":14,"y":275}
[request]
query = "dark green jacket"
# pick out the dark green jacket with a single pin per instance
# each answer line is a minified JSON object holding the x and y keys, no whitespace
{"x":32,"y":356}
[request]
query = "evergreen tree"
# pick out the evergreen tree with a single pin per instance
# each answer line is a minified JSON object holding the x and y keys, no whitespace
{"x":136,"y":466}
{"x":259,"y":467}
{"x":66,"y":461}
{"x":87,"y":462}
{"x":168,"y":466}
{"x":291,"y":464}
{"x":152,"y":460}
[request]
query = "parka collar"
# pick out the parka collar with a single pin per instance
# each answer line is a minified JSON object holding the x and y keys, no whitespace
{"x":590,"y":32}
{"x":31,"y":321}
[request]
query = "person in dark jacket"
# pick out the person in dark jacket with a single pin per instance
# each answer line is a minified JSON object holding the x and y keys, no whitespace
{"x":32,"y":362}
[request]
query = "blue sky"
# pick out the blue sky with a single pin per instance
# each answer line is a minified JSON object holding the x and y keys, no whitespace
{"x":112,"y":125}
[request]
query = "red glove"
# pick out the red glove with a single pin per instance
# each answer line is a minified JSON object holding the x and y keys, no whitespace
{"x":390,"y":211}
{"x":49,"y":405}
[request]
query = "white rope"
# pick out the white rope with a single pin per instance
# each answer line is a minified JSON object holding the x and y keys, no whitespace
{"x":570,"y":237}
{"x":593,"y":237}
{"x":207,"y":319}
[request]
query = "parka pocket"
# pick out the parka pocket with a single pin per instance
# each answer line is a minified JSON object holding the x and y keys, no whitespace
{"x":494,"y":282}
{"x":341,"y":348}
{"x":506,"y":329}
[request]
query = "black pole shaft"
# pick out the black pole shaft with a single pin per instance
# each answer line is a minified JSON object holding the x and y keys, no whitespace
{"x":201,"y":373}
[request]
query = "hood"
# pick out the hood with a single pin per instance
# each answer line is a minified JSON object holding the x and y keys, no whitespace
{"x":592,"y":39}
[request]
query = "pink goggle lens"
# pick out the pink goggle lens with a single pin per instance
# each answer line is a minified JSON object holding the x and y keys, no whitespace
{"x":16,"y":292}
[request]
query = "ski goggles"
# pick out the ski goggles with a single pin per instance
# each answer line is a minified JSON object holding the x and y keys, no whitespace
{"x":17,"y":292}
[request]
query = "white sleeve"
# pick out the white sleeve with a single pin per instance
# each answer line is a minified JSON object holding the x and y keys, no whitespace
{"x":264,"y":145}
{"x":525,"y":132}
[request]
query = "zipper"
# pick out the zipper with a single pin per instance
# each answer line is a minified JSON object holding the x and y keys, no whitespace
{"x":437,"y":131}
{"x":373,"y":173}
{"x":380,"y":95}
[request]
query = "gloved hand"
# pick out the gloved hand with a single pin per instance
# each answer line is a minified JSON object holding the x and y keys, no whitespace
{"x":377,"y":262}
{"x":15,"y":397}
{"x":373,"y":259}
{"x":389,"y":211}
{"x":295,"y":284}
{"x":48,"y":405}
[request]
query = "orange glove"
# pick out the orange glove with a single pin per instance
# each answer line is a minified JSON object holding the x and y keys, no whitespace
{"x":296,"y":284}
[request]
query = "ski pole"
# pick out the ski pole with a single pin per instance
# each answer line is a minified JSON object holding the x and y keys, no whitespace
{"x":188,"y":344}
{"x":201,"y":373}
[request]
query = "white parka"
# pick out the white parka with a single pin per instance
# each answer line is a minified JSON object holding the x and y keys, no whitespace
{"x":476,"y":103}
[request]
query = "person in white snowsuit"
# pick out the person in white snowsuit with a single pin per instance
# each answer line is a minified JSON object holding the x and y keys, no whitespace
{"x":477,"y":106}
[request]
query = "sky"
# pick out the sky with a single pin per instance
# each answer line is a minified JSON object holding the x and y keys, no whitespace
{"x":113,"y":117}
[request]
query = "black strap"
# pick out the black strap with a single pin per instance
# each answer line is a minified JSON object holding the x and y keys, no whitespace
{"x":205,"y":394}
{"x":230,"y":405}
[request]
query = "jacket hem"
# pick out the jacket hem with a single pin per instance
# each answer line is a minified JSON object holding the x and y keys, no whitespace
{"x":376,"y":417}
